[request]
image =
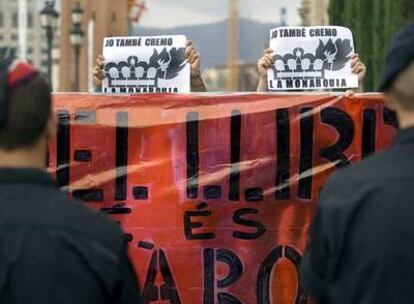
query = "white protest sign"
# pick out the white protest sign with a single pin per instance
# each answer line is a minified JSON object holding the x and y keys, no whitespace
{"x":154,"y":64}
{"x":311,"y":58}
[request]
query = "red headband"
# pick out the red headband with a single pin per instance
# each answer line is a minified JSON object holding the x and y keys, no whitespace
{"x":19,"y":72}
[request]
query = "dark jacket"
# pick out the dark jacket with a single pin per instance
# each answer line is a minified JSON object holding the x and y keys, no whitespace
{"x":55,"y":250}
{"x":361,"y":247}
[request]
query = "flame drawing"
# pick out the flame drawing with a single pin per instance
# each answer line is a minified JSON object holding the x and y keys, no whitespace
{"x":335,"y":55}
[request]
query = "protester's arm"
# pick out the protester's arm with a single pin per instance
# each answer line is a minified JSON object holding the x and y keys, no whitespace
{"x":98,"y":72}
{"x":263,"y":65}
{"x":194,"y":59}
{"x":129,"y":290}
{"x":359,"y":68}
{"x":192,"y":56}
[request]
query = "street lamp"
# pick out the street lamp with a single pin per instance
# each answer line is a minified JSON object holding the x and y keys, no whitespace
{"x":49,"y":19}
{"x":76,"y":39}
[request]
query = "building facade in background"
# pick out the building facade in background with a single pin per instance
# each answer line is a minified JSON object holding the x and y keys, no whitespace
{"x":314,"y":12}
{"x":9,"y":31}
{"x":110,"y":18}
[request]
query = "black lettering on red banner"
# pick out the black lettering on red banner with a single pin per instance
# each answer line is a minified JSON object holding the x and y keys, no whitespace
{"x":369,"y":132}
{"x":150,"y":291}
{"x":282,"y":191}
{"x":88,"y":195}
{"x":239,"y":219}
{"x":306,"y":153}
{"x":121,"y":156}
{"x":63,"y":149}
{"x":209,"y":271}
{"x":344,"y":125}
{"x":168,"y":290}
{"x":235,"y":133}
{"x":235,"y":266}
{"x":254,"y":194}
{"x":212,"y":192}
{"x":192,"y":155}
{"x":84,"y":119}
{"x":294,"y":256}
{"x":83,"y":156}
{"x":263,"y":282}
{"x":189,"y":225}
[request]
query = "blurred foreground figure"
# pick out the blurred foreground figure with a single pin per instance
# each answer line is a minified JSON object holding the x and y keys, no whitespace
{"x":53,"y":250}
{"x":361,"y":247}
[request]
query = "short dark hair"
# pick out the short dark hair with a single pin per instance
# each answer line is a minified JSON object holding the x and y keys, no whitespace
{"x":29,"y":110}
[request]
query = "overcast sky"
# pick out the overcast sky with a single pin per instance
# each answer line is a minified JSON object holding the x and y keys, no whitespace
{"x":171,"y":13}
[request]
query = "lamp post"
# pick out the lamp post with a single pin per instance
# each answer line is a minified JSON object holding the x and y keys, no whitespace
{"x":76,"y":39}
{"x":49,"y":19}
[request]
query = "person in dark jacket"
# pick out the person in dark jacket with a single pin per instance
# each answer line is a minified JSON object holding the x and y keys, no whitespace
{"x":361,"y":247}
{"x":53,"y":250}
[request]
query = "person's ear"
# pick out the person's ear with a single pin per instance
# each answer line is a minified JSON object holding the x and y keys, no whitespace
{"x":390,"y":101}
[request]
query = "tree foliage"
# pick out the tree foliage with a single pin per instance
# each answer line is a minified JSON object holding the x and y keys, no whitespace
{"x":373,"y":23}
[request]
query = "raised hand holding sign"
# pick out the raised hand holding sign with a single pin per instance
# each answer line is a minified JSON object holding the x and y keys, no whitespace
{"x":146,"y":65}
{"x":311,"y":58}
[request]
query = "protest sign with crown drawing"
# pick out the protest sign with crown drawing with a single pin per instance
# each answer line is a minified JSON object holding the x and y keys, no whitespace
{"x":311,"y":58}
{"x":154,"y":64}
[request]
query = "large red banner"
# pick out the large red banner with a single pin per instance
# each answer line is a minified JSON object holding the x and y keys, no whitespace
{"x":215,"y":192}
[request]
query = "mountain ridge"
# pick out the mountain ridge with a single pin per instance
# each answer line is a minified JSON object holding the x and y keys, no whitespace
{"x":211,"y":39}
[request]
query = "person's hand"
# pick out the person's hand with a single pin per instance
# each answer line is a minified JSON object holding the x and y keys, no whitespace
{"x":349,"y":94}
{"x":193,"y":58}
{"x":358,"y":67}
{"x":265,"y":63}
{"x":98,"y":71}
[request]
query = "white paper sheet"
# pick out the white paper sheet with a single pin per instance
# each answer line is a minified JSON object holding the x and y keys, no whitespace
{"x":311,"y":58}
{"x":154,"y":64}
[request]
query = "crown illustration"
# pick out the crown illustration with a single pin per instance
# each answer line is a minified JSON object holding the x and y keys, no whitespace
{"x":136,"y":73}
{"x":298,"y":64}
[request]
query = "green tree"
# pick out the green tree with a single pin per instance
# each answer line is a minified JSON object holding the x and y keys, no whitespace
{"x":373,"y":23}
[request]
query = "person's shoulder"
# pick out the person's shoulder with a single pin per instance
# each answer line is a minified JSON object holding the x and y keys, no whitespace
{"x":347,"y":186}
{"x":372,"y":169}
{"x":90,"y":223}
